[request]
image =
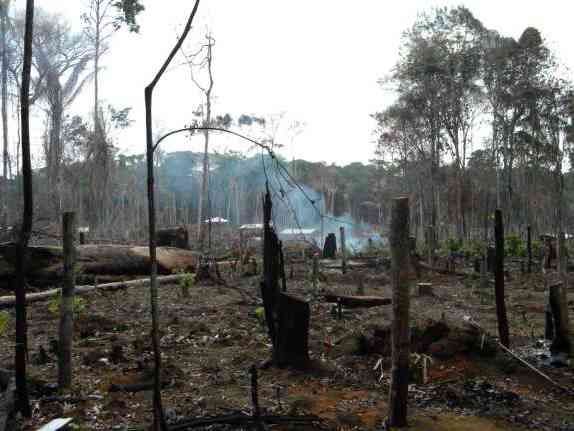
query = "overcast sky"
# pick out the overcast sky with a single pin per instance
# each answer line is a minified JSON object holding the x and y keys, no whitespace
{"x":316,"y":60}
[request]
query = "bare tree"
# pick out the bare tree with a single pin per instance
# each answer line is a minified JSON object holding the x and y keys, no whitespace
{"x":159,"y":419}
{"x":203,"y":60}
{"x":4,"y":9}
{"x":23,"y":403}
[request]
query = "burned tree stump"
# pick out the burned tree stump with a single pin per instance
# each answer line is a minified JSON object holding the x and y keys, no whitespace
{"x":330,"y":247}
{"x":292,"y":332}
{"x":173,"y":237}
{"x":425,"y":289}
{"x":287,"y":317}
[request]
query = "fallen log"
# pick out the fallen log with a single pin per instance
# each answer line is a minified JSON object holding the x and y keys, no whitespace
{"x":10,"y":301}
{"x":357,"y":301}
{"x":46,"y":263}
{"x":428,"y":267}
{"x":244,"y":420}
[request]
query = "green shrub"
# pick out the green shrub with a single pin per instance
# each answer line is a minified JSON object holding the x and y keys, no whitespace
{"x":186,"y":283}
{"x":474,"y":248}
{"x":260,"y":314}
{"x":514,"y":246}
{"x":4,"y":319}
{"x":54,"y":305}
{"x":453,"y":245}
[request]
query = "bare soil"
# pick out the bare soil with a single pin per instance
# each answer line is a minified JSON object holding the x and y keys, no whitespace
{"x":211,"y":337}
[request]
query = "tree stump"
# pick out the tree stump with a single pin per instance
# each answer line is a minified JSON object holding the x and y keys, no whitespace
{"x":330,"y":247}
{"x":173,"y":237}
{"x":425,"y":289}
{"x":292,"y":346}
{"x":561,"y":342}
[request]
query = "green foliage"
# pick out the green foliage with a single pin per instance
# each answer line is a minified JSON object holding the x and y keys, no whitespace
{"x":260,"y":314}
{"x":54,"y":305}
{"x":186,"y":283}
{"x":474,"y":248}
{"x":514,"y":246}
{"x":453,"y":245}
{"x":4,"y":319}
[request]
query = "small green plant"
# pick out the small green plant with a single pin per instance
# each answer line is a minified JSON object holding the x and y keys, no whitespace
{"x":186,"y":283}
{"x":54,"y":305}
{"x":514,"y":246}
{"x":4,"y":319}
{"x":260,"y":314}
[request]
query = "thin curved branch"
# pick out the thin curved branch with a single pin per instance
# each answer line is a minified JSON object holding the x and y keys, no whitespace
{"x":215,"y":129}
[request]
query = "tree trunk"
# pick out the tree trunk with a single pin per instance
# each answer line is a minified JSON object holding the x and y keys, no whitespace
{"x":529,"y":247}
{"x":400,"y":255}
{"x":5,"y":155}
{"x":562,"y":341}
{"x":21,"y":350}
{"x":343,"y":251}
{"x":67,"y":303}
{"x":499,"y":280}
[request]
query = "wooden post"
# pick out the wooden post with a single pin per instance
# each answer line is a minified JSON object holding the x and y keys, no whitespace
{"x":430,"y":244}
{"x":315,"y":273}
{"x":400,"y":258}
{"x":562,"y":255}
{"x":561,"y":343}
{"x":529,"y":248}
{"x":343,"y":251}
{"x":67,"y":303}
{"x":499,"y":280}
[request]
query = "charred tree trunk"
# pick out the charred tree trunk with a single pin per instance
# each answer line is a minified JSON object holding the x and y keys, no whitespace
{"x":287,"y":317}
{"x":23,"y":402}
{"x":400,"y":255}
{"x":330,"y":247}
{"x":499,"y":280}
{"x":529,"y":248}
{"x":561,"y":342}
{"x":159,"y":422}
{"x":343,"y":251}
{"x":67,"y":304}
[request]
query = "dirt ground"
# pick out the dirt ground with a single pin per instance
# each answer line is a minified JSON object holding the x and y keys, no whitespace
{"x":212,"y":337}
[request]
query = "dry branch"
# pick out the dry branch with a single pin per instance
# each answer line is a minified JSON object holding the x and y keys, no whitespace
{"x":10,"y":301}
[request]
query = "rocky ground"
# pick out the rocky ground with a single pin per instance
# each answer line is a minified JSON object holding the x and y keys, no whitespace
{"x":214,"y":334}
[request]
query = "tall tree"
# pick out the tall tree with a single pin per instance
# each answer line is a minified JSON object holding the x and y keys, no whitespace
{"x":203,"y":60}
{"x":102,"y":20}
{"x":4,"y":11}
{"x":60,"y":58}
{"x":159,"y":419}
{"x":21,"y":350}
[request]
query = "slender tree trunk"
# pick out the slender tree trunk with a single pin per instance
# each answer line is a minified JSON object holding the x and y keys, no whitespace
{"x":203,"y":196}
{"x":159,"y":419}
{"x":67,"y":303}
{"x":499,"y":280}
{"x":400,"y":255}
{"x":5,"y":154}
{"x":21,"y":350}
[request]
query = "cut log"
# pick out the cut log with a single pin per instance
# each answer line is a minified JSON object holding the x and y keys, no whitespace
{"x":173,"y":237}
{"x":10,"y":301}
{"x":46,"y":263}
{"x":357,"y":301}
{"x":425,"y":289}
